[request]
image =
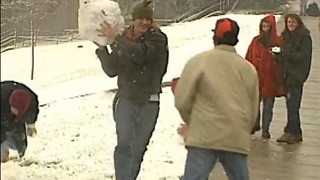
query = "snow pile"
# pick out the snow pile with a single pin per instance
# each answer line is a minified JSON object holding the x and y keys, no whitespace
{"x":76,"y":140}
{"x":94,"y":12}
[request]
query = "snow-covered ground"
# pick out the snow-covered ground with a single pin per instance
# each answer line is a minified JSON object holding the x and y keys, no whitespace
{"x":76,"y":136}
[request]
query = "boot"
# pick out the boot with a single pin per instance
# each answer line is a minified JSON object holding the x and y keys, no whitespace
{"x":294,"y":139}
{"x":284,"y":137}
{"x":265,"y":135}
{"x":5,"y":157}
{"x":299,"y":137}
{"x":255,"y":129}
{"x":256,"y":125}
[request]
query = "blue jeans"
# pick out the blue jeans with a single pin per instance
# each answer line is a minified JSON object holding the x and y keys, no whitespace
{"x":293,"y":102}
{"x":267,"y":112}
{"x":5,"y":146}
{"x":200,"y":163}
{"x":303,"y":6}
{"x":15,"y":140}
{"x":134,"y":126}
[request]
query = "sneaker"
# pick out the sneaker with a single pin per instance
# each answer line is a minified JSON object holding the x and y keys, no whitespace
{"x":265,"y":134}
{"x":284,"y":137}
{"x":299,"y":137}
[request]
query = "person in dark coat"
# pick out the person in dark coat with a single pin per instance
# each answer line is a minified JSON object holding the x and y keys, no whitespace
{"x":313,"y":10}
{"x":295,"y":62}
{"x":19,"y":112}
{"x":139,"y":60}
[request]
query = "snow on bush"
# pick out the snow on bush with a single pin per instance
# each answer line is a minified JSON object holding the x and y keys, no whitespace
{"x":92,"y":13}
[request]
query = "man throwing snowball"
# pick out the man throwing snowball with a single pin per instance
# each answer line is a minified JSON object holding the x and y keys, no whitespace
{"x":139,"y":59}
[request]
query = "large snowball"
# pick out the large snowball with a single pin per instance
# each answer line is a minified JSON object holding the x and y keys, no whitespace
{"x":92,"y":13}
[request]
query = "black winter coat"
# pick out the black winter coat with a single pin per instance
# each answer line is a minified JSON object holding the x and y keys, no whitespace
{"x":140,"y":64}
{"x":7,"y":119}
{"x":296,"y":57}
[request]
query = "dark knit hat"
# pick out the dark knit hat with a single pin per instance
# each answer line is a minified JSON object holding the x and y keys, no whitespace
{"x":142,"y":10}
{"x":227,"y":30}
{"x":20,"y":99}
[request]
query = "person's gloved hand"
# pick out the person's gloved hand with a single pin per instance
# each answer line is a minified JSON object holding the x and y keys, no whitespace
{"x":174,"y":84}
{"x":182,"y":131}
{"x":31,"y":130}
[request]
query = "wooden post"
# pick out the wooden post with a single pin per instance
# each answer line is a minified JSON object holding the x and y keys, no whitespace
{"x":32,"y":45}
{"x":22,"y":38}
{"x":153,"y":5}
{"x":15,"y":38}
{"x":71,"y":37}
{"x":36,"y":37}
{"x":57,"y":38}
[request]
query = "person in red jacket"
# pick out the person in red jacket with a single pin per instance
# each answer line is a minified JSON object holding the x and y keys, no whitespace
{"x":270,"y":82}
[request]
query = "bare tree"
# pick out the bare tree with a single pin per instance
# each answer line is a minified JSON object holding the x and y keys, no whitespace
{"x":17,"y":12}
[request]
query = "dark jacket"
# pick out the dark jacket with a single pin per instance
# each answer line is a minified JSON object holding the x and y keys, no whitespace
{"x":7,"y":119}
{"x":313,"y":10}
{"x":296,"y":57}
{"x":140,"y":64}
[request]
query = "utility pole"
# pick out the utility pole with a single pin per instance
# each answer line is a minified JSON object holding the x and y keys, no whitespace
{"x":32,"y":44}
{"x":153,"y":5}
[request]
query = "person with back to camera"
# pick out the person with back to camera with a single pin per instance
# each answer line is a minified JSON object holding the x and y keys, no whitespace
{"x":218,"y":97}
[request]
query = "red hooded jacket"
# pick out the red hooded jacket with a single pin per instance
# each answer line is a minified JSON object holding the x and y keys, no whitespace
{"x":259,"y":54}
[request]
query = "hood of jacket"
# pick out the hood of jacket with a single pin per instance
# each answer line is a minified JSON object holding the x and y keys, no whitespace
{"x":272,"y":38}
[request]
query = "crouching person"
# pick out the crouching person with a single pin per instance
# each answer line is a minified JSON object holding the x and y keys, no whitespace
{"x":19,"y":112}
{"x":139,"y":59}
{"x":217,"y":97}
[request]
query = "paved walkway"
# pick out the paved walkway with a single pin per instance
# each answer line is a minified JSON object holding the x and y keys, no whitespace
{"x":270,"y":160}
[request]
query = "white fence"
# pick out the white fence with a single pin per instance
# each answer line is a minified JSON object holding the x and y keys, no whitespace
{"x":14,"y":38}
